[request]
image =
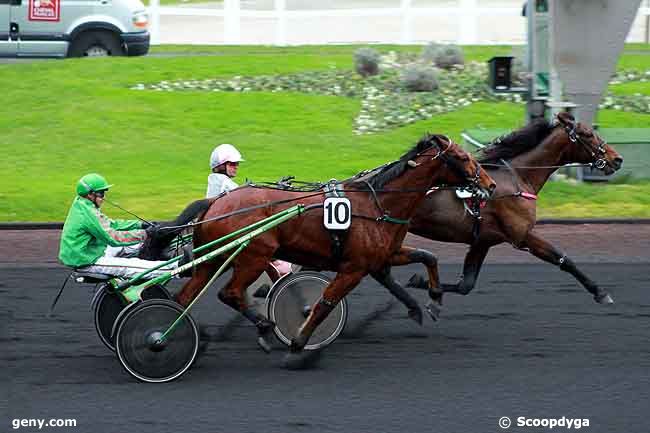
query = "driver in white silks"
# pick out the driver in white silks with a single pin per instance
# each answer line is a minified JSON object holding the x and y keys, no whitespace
{"x":224,"y":163}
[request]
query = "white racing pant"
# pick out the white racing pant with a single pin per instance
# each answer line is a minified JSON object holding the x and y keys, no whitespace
{"x":121,"y":262}
{"x":281,"y":267}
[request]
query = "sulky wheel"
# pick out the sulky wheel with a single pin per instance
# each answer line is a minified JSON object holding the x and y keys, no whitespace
{"x":290,"y":301}
{"x":108,"y":306}
{"x":138,"y":345}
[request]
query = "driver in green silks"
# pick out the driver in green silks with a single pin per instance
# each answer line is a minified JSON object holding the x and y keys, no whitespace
{"x":92,"y":242}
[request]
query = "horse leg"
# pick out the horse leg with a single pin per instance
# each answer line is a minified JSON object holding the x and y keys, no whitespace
{"x":385,"y":278}
{"x":342,"y":284}
{"x":408,"y":255}
{"x":471,"y":268}
{"x":200,"y":278}
{"x":232,"y":294}
{"x":544,"y":250}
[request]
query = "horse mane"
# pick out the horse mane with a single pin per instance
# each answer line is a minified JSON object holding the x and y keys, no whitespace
{"x":517,"y":142}
{"x":396,"y":168}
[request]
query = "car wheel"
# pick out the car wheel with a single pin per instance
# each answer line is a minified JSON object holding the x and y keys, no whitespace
{"x":96,"y":44}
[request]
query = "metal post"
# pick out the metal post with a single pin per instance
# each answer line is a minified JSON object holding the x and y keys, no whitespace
{"x":405,"y":6}
{"x":154,"y":23}
{"x":555,"y":85}
{"x":647,"y":24}
{"x":232,"y":21}
{"x":281,"y":26}
{"x":468,"y":22}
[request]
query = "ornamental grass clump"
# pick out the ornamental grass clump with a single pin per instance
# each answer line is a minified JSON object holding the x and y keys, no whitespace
{"x":429,"y":52}
{"x":419,"y":78}
{"x":366,"y":61}
{"x":448,"y":57}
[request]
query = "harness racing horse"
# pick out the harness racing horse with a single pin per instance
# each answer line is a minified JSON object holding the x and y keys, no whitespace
{"x":381,"y":206}
{"x":521,"y":163}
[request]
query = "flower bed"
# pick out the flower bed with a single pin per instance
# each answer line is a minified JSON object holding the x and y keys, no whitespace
{"x":385,"y":103}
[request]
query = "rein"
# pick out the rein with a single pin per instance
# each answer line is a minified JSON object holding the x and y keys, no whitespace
{"x":531,"y":167}
{"x":384,"y":217}
{"x":130,"y":213}
{"x":285,"y":185}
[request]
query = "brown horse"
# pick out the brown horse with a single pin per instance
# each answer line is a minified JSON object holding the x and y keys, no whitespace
{"x":381,"y":202}
{"x":521,"y":163}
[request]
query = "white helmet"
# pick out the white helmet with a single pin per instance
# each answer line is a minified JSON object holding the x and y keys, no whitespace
{"x":224,"y":153}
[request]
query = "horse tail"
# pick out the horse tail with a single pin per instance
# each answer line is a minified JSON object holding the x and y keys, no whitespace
{"x":158,"y":241}
{"x":192,"y":211}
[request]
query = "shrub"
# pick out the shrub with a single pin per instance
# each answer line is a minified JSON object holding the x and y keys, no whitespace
{"x":366,"y":61}
{"x":448,"y":56}
{"x":429,"y":52}
{"x":419,"y":78}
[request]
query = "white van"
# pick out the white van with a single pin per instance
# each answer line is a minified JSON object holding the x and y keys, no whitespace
{"x":73,"y":28}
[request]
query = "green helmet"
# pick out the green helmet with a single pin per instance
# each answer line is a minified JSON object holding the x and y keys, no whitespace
{"x":92,"y":182}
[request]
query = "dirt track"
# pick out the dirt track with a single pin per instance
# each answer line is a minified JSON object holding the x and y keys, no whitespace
{"x":527,"y":342}
{"x":587,"y":243}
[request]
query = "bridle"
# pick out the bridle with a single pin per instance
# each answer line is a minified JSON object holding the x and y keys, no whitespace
{"x":472,"y":180}
{"x":598,"y":155}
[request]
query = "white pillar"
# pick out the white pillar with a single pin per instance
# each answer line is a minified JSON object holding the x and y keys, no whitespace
{"x":281,"y":26}
{"x":232,"y":23}
{"x":468,"y":18}
{"x":405,"y":6}
{"x":154,"y":22}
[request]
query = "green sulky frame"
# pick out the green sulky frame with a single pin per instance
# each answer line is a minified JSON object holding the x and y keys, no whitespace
{"x":131,"y":292}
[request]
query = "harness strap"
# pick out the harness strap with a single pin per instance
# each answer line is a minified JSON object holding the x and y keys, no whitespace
{"x":390,"y":219}
{"x":528,"y":195}
{"x":334,"y":189}
{"x":515,"y":183}
{"x":374,"y":197}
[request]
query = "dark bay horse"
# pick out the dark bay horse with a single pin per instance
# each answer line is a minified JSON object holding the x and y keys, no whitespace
{"x":381,"y":205}
{"x":533,"y":154}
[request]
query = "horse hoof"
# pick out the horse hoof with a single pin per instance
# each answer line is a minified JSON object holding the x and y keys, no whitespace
{"x":415,"y":314}
{"x":434,"y":311}
{"x":263,"y":330}
{"x":265,"y":327}
{"x":604,"y":299}
{"x":203,"y":334}
{"x":203,"y":347}
{"x":262,"y":291}
{"x":301,"y":360}
{"x":418,"y":282}
{"x":264,"y":345}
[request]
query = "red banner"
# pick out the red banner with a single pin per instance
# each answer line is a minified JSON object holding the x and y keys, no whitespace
{"x":44,"y":10}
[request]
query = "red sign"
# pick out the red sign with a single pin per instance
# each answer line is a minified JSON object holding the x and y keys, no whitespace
{"x":44,"y":10}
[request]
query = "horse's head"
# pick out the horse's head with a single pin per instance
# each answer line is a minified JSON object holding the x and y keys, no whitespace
{"x":586,"y":146}
{"x":458,"y":167}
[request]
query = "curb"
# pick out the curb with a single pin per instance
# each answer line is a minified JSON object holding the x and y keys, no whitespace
{"x":31,"y":226}
{"x":578,"y":221}
{"x":544,"y":221}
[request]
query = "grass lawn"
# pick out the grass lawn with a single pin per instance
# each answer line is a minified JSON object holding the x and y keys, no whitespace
{"x":155,"y":146}
{"x":632,"y":88}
